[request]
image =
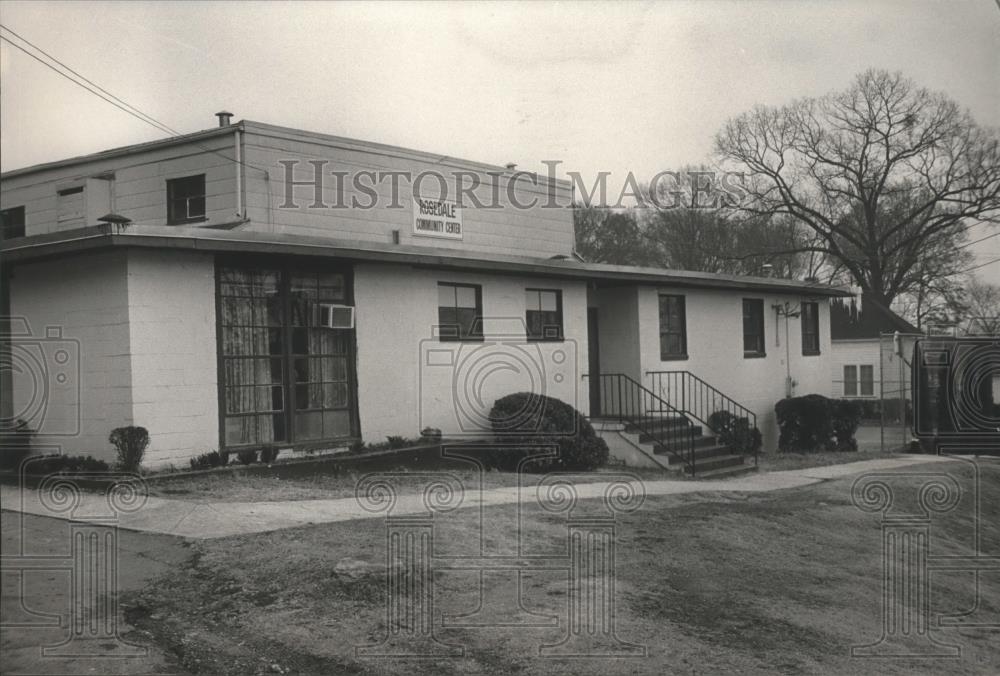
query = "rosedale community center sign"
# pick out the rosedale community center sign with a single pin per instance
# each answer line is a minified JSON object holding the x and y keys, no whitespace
{"x":437,"y":218}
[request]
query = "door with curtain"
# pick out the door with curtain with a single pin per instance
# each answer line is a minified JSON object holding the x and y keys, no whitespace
{"x":284,"y":379}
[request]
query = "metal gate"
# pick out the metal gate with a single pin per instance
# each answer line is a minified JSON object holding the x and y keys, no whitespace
{"x":895,"y":396}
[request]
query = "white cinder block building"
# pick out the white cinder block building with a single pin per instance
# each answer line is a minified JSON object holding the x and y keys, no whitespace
{"x":261,"y":286}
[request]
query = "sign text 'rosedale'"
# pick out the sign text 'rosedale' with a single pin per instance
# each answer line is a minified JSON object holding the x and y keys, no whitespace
{"x":437,"y":218}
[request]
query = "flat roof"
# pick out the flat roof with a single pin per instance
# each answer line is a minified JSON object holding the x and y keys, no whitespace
{"x":263,"y":129}
{"x":96,"y":238}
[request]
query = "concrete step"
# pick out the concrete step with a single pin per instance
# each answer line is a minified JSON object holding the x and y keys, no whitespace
{"x":681,"y":445}
{"x":700,"y":454}
{"x":668,"y":434}
{"x":717,"y":462}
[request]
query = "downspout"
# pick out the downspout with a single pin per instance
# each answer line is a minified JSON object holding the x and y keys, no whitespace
{"x":238,"y":146}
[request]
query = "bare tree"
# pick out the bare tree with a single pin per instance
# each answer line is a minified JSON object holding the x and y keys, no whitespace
{"x":982,"y":315}
{"x":691,"y":224}
{"x":876,"y":172}
{"x":609,"y":236}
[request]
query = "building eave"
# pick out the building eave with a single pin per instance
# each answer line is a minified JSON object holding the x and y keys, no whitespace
{"x":74,"y":242}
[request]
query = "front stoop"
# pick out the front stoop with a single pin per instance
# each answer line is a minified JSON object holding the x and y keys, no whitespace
{"x":636,"y":449}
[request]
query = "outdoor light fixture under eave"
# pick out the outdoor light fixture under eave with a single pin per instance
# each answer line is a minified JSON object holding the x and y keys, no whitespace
{"x":113,"y":221}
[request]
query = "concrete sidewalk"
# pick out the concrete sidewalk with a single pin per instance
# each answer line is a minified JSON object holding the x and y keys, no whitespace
{"x":206,"y":520}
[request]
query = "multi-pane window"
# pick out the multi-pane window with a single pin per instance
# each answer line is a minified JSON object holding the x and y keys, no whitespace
{"x":810,"y":328}
{"x":859,"y":380}
{"x":12,"y":223}
{"x":753,"y":327}
{"x":673,"y":328}
{"x":186,"y":199}
{"x":460,"y":311}
{"x":285,"y":377}
{"x":543,"y":314}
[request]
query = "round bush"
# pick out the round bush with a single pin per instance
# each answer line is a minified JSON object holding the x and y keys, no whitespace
{"x":527,"y":424}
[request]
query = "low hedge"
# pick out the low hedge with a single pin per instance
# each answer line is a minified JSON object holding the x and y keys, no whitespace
{"x":525,"y":424}
{"x":814,"y":423}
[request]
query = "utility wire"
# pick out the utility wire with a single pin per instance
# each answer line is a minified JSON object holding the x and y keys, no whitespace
{"x":117,"y":102}
{"x":977,"y":241}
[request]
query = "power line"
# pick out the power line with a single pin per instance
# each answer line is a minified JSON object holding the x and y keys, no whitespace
{"x":981,"y":265}
{"x":151,"y":119}
{"x":113,"y":100}
{"x":977,"y":241}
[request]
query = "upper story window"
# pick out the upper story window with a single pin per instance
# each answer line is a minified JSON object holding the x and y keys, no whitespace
{"x":12,"y":223}
{"x":186,"y":199}
{"x":753,"y":327}
{"x":543,"y":314}
{"x":673,"y":328}
{"x":460,"y":311}
{"x":810,"y":328}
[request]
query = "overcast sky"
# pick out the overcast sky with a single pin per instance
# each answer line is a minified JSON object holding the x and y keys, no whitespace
{"x":601,"y":87}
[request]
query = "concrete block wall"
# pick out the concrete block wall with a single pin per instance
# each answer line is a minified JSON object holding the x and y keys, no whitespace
{"x":171,"y":296}
{"x":407,"y":379}
{"x":86,"y":299}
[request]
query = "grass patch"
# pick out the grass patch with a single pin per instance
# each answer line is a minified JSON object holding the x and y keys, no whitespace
{"x":241,"y":486}
{"x":779,"y":582}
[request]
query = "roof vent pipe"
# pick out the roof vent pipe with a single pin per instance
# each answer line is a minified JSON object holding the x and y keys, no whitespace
{"x":225,"y":118}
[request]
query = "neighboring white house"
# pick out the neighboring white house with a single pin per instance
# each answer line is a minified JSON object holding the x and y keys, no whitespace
{"x":254,"y":300}
{"x":872,"y":346}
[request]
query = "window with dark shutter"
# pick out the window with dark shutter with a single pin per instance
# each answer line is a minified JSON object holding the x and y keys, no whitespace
{"x":753,"y":327}
{"x":810,"y":328}
{"x":673,"y":328}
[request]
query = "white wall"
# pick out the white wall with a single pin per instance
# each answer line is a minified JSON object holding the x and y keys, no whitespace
{"x":86,"y":298}
{"x":408,"y":380}
{"x":138,"y":191}
{"x":171,"y":296}
{"x":535,"y":231}
{"x":858,"y":352}
{"x":143,"y":326}
{"x":715,"y":349}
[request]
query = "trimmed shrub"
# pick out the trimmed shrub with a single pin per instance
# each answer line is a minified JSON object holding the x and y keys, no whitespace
{"x":66,"y":464}
{"x":131,"y":443}
{"x":15,"y":443}
{"x":430,"y":434}
{"x":846,"y":418}
{"x":525,"y":420}
{"x":208,"y":460}
{"x":805,"y":424}
{"x":268,"y":454}
{"x":247,"y":456}
{"x":814,"y":423}
{"x":735,"y":432}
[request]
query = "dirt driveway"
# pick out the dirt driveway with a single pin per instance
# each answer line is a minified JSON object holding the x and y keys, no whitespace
{"x":30,"y":598}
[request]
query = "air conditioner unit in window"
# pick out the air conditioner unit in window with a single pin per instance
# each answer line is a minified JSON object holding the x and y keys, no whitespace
{"x":333,"y":316}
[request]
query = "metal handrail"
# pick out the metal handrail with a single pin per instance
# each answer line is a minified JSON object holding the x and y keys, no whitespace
{"x":693,"y":397}
{"x":632,"y":403}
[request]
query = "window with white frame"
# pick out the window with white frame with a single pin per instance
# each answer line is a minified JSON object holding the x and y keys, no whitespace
{"x":859,"y":380}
